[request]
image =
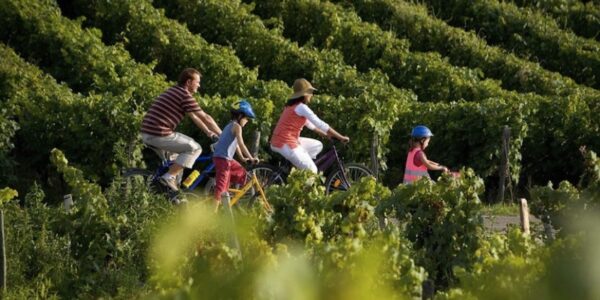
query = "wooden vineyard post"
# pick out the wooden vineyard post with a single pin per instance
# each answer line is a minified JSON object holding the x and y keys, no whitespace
{"x":374,"y":160}
{"x":504,"y":163}
{"x":235,"y":243}
{"x":255,"y":143}
{"x":524,"y":216}
{"x":67,"y":201}
{"x":3,"y":267}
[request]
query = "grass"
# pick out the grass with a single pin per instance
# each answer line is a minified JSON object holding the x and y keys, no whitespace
{"x":501,"y":209}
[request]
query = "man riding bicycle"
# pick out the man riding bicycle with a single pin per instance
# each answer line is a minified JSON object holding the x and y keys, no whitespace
{"x":167,"y":111}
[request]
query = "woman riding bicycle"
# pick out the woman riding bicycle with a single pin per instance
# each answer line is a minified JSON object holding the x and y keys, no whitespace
{"x":286,"y":138}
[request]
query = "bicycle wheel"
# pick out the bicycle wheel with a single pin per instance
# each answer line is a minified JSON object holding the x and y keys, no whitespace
{"x":209,"y":187}
{"x":143,"y":179}
{"x":267,"y":175}
{"x":354,"y":171}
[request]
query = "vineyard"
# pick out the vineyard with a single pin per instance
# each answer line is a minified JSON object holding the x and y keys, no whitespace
{"x":76,"y":78}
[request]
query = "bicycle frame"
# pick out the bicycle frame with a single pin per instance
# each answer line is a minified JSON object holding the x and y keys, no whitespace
{"x":203,"y":174}
{"x":239,"y":193}
{"x":325,"y":161}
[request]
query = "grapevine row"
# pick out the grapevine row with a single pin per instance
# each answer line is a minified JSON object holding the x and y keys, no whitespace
{"x":528,"y":34}
{"x":581,"y":18}
{"x":367,"y":46}
{"x":50,"y":115}
{"x":464,"y":48}
{"x":150,"y":37}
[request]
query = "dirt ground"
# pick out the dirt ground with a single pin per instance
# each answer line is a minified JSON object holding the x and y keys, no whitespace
{"x":501,"y":223}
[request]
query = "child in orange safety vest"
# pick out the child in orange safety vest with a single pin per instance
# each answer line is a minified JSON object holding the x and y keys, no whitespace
{"x":417,"y":163}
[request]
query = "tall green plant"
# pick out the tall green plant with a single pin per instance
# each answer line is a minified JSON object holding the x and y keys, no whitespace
{"x":443,"y":220}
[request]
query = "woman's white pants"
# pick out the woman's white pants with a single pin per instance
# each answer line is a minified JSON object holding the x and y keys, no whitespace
{"x":302,"y":156}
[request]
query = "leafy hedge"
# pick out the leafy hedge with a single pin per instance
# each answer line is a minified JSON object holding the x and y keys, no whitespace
{"x":528,"y":34}
{"x":443,"y":221}
{"x":557,"y":128}
{"x":561,"y":205}
{"x":51,"y":115}
{"x":365,"y":45}
{"x":8,"y":127}
{"x":465,"y":134}
{"x":582,"y":17}
{"x":464,"y":48}
{"x":152,"y":38}
{"x":120,"y":89}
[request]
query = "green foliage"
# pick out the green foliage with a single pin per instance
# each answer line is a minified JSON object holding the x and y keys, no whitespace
{"x":557,"y":128}
{"x":443,"y":221}
{"x":465,"y":134}
{"x":108,"y":249}
{"x":464,"y":48}
{"x":561,"y":205}
{"x":366,"y":46}
{"x":152,"y":38}
{"x":7,"y":194}
{"x":47,"y":113}
{"x":528,"y":34}
{"x":508,"y":267}
{"x":8,"y":128}
{"x":582,"y":17}
{"x":78,"y":57}
{"x":332,"y":248}
{"x":38,"y":258}
{"x":75,"y":55}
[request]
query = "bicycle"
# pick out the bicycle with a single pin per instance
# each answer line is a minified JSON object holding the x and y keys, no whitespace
{"x":203,"y":164}
{"x":239,"y":193}
{"x":339,"y":178}
{"x":150,"y":178}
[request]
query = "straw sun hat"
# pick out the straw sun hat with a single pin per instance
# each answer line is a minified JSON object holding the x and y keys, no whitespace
{"x":302,"y":88}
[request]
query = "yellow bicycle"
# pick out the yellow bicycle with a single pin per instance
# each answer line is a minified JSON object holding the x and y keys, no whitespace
{"x":238,"y":194}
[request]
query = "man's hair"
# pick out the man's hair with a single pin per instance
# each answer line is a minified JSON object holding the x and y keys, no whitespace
{"x":187,"y":74}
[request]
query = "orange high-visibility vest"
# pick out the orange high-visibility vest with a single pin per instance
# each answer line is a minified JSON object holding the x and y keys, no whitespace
{"x":413,"y":172}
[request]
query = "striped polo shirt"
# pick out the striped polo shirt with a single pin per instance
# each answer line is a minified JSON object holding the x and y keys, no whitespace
{"x":168,"y":110}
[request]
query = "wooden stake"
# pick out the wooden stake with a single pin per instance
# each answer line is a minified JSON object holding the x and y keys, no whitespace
{"x":255,"y":143}
{"x":524,"y":216}
{"x":374,"y":158}
{"x":503,"y":163}
{"x":3,"y":268}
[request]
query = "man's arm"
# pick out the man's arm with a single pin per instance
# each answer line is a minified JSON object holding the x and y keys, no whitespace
{"x":209,"y":121}
{"x":198,"y":121}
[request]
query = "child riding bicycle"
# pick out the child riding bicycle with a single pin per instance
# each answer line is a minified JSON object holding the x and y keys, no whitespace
{"x":231,"y":141}
{"x":286,"y":138}
{"x":417,"y":163}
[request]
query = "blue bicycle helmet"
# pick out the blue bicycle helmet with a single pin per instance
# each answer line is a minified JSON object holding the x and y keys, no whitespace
{"x":244,"y":107}
{"x":421,"y":131}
